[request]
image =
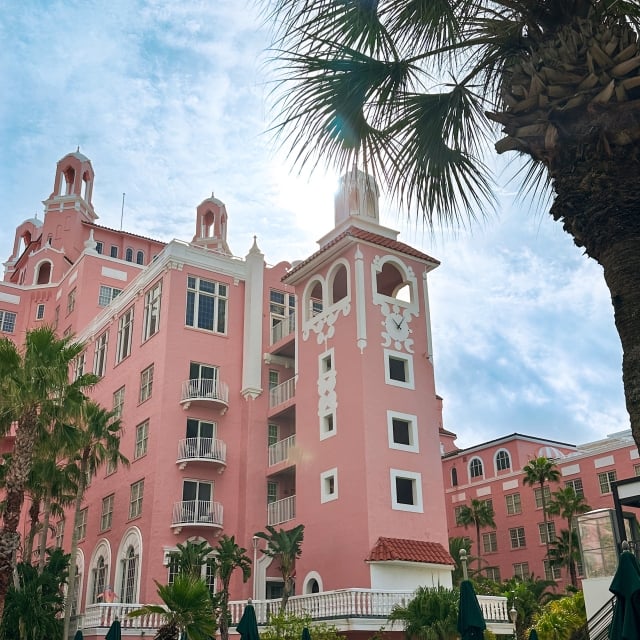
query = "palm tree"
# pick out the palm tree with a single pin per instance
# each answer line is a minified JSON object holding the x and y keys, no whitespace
{"x":540,"y":471}
{"x":480,"y":514}
{"x":35,"y":393}
{"x":414,"y":92}
{"x":568,"y":504}
{"x":229,"y":557}
{"x":285,"y":546}
{"x":564,"y":551}
{"x":187,"y":608}
{"x":190,"y":557}
{"x":97,"y":440}
{"x":432,"y":614}
{"x":456,"y":545}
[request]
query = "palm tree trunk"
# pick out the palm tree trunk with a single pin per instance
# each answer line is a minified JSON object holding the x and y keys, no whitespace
{"x":478,"y":543}
{"x":42,"y":548}
{"x":34,"y":517}
{"x":71,"y":585}
{"x":15,"y":482}
{"x":597,"y":201}
{"x":544,"y":517}
{"x":224,"y":610}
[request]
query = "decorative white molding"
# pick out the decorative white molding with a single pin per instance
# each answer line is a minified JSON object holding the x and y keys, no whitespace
{"x":361,"y":306}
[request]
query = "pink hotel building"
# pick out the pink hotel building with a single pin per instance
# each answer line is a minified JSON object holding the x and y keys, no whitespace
{"x":250,"y":395}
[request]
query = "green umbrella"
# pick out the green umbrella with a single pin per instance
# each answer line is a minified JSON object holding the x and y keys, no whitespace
{"x":533,"y":635}
{"x":78,"y":635}
{"x":305,"y":634}
{"x":626,"y":587}
{"x":248,"y":625}
{"x":471,"y":624}
{"x":115,"y":631}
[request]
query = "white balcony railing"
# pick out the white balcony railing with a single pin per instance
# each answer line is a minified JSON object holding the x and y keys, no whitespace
{"x":281,"y":511}
{"x":205,"y":389}
{"x":283,"y":328}
{"x":197,"y":512}
{"x":282,"y":392}
{"x":209,"y":449}
{"x":279,"y":451}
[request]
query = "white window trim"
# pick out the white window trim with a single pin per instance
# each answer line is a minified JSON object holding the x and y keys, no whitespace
{"x":324,"y":432}
{"x":480,"y":477}
{"x":413,"y":431}
{"x":324,"y":476}
{"x":418,"y":506}
{"x":322,"y":372}
{"x":408,"y":358}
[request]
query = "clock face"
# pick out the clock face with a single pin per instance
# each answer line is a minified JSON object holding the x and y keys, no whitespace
{"x":396,"y":326}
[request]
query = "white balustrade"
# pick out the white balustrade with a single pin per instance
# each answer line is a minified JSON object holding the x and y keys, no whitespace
{"x":283,"y":328}
{"x":200,"y":512}
{"x":282,"y":392}
{"x":279,"y":451}
{"x":205,"y":389}
{"x":281,"y":511}
{"x":202,"y":449}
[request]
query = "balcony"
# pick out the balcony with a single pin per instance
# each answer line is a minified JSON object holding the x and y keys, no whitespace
{"x":283,"y":329}
{"x":203,"y":391}
{"x":282,"y":396}
{"x":208,"y":450}
{"x":281,"y":511}
{"x":196,"y":513}
{"x":279,"y":451}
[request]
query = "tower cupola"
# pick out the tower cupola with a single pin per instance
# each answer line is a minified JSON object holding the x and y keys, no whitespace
{"x":357,"y":197}
{"x":211,"y":225}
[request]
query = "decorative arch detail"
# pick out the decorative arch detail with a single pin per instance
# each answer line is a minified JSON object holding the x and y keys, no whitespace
{"x":502,"y":460}
{"x":312,"y":583}
{"x":476,"y":468}
{"x":129,"y":562}
{"x":99,"y":572}
{"x":43,"y":271}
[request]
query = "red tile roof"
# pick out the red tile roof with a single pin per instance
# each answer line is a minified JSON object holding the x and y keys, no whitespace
{"x":410,"y":551}
{"x":367,"y":236}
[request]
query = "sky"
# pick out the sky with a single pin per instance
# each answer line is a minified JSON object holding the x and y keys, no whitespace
{"x":171,"y":101}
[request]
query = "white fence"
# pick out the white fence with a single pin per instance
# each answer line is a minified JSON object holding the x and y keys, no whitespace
{"x":281,"y":511}
{"x":282,"y":392}
{"x":279,"y":451}
{"x":203,"y":449}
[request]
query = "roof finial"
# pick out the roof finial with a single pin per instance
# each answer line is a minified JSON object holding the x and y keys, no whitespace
{"x":78,"y":149}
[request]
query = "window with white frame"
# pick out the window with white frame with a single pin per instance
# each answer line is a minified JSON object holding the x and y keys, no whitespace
{"x":151,"y":322}
{"x":281,"y":305}
{"x":537,"y":493}
{"x":406,"y":491}
{"x":139,"y":257}
{"x":605,"y":479}
{"x":100,"y":354}
{"x":328,"y":425}
{"x":490,"y":542}
{"x":398,"y":369}
{"x":118,"y":402}
{"x":551,"y":571}
{"x":273,"y":433}
{"x":113,"y":252}
{"x":71,"y":301}
{"x":146,"y":383}
{"x":142,"y":439}
{"x":503,"y":460}
{"x":40,"y":312}
{"x":99,"y":247}
{"x":206,"y":304}
{"x":272,"y":492}
{"x":128,"y":254}
{"x":514,"y":504}
{"x":274,"y":379}
{"x":402,"y":430}
{"x":476,"y":469}
{"x":547,"y":532}
{"x":106,"y":515}
{"x":125,"y":331}
{"x":135,"y":500}
{"x":7,"y":321}
{"x":326,"y":361}
{"x":576,"y":485}
{"x":329,"y":485}
{"x":107,"y":294}
{"x":129,"y":573}
{"x":110,"y":467}
{"x":521,"y":570}
{"x":100,"y":572}
{"x":517,"y":537}
{"x":492,"y":573}
{"x":78,"y":365}
{"x":81,"y":526}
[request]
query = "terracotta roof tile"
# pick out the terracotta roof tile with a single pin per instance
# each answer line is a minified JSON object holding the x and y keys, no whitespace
{"x":367,"y":236}
{"x":410,"y":551}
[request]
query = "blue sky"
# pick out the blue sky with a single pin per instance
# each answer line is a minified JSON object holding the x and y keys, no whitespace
{"x":170,"y":101}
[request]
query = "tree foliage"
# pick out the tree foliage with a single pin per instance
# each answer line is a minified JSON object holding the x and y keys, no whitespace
{"x":289,"y":626}
{"x":561,"y":619}
{"x":478,"y":514}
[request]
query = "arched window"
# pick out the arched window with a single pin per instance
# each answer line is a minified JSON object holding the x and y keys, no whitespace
{"x":313,"y":299}
{"x":503,"y":460}
{"x":70,"y":178}
{"x":99,"y":580}
{"x":44,"y":273}
{"x":475,"y":468}
{"x":140,"y":257}
{"x":128,"y":256}
{"x":129,"y":573}
{"x":339,"y":284}
{"x":454,"y":477}
{"x":389,"y":280}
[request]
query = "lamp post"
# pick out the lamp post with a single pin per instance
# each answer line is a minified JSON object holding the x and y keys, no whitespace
{"x":513,"y":616}
{"x":255,"y":541}
{"x":463,"y":562}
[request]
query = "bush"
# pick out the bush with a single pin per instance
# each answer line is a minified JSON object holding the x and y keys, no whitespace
{"x":289,"y":626}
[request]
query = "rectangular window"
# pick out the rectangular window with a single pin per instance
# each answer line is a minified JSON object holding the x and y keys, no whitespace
{"x":327,"y":425}
{"x":71,"y":301}
{"x":576,"y":485}
{"x":456,"y":514}
{"x":107,"y":512}
{"x":326,"y":363}
{"x":152,"y":311}
{"x":517,"y":537}
{"x":142,"y":437}
{"x":110,"y":467}
{"x":538,"y":496}
{"x":125,"y":331}
{"x":135,"y":502}
{"x":78,"y":366}
{"x":99,"y":247}
{"x":398,"y":369}
{"x":107,"y":294}
{"x":274,"y":379}
{"x":521,"y":570}
{"x":514,"y":505}
{"x":272,"y":492}
{"x":81,"y":528}
{"x":272,"y":434}
{"x":605,"y":479}
{"x":493,"y":574}
{"x":118,"y":402}
{"x":40,"y":312}
{"x":402,"y":429}
{"x":113,"y":251}
{"x":100,"y":355}
{"x":146,"y":384}
{"x":547,"y":532}
{"x":406,"y":491}
{"x":206,"y":305}
{"x":551,"y":571}
{"x":7,"y":321}
{"x":329,"y":485}
{"x":490,"y":542}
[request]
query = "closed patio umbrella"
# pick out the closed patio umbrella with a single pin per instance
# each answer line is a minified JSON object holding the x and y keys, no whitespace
{"x":115,"y":631}
{"x":533,"y":635}
{"x":471,"y":624}
{"x":305,"y":634}
{"x":78,"y":635}
{"x":625,"y":585}
{"x":248,"y":625}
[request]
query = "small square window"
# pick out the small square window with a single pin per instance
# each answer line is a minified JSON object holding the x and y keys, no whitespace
{"x":326,"y":362}
{"x":327,"y":425}
{"x":398,"y":369}
{"x":329,"y":485}
{"x":114,"y":251}
{"x":99,"y":247}
{"x":406,"y":491}
{"x":402,"y":431}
